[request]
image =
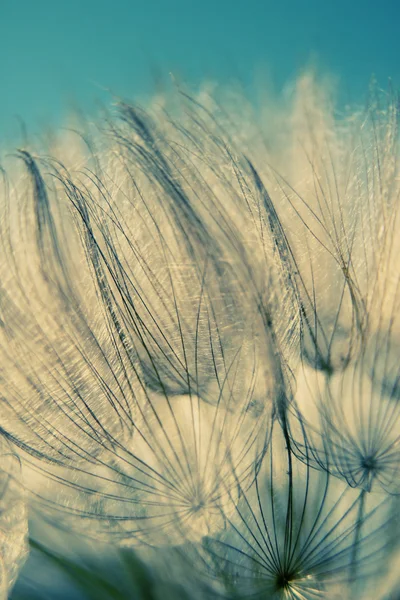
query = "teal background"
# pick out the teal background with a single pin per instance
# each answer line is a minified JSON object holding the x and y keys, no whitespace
{"x":57,"y":54}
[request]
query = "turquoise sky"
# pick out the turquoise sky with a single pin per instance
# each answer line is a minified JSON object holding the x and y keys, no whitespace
{"x":56,"y":53}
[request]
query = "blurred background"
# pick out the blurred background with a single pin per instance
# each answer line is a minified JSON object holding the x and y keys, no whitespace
{"x":58,"y":55}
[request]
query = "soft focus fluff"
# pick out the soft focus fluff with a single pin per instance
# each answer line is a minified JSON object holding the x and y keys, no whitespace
{"x":199,"y":340}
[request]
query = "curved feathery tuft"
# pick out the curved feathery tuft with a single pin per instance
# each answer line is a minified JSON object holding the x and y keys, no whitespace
{"x":143,"y":352}
{"x":347,"y":384}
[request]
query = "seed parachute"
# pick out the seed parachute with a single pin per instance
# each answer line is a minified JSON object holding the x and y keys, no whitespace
{"x":199,"y":343}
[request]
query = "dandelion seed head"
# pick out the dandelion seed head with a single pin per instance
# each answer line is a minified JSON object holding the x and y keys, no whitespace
{"x":198,"y":334}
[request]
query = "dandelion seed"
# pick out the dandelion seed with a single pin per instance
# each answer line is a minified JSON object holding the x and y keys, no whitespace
{"x":298,"y":533}
{"x":348,"y":284}
{"x":142,"y":355}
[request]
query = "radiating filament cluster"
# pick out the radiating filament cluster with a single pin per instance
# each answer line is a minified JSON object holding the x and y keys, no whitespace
{"x":199,"y":343}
